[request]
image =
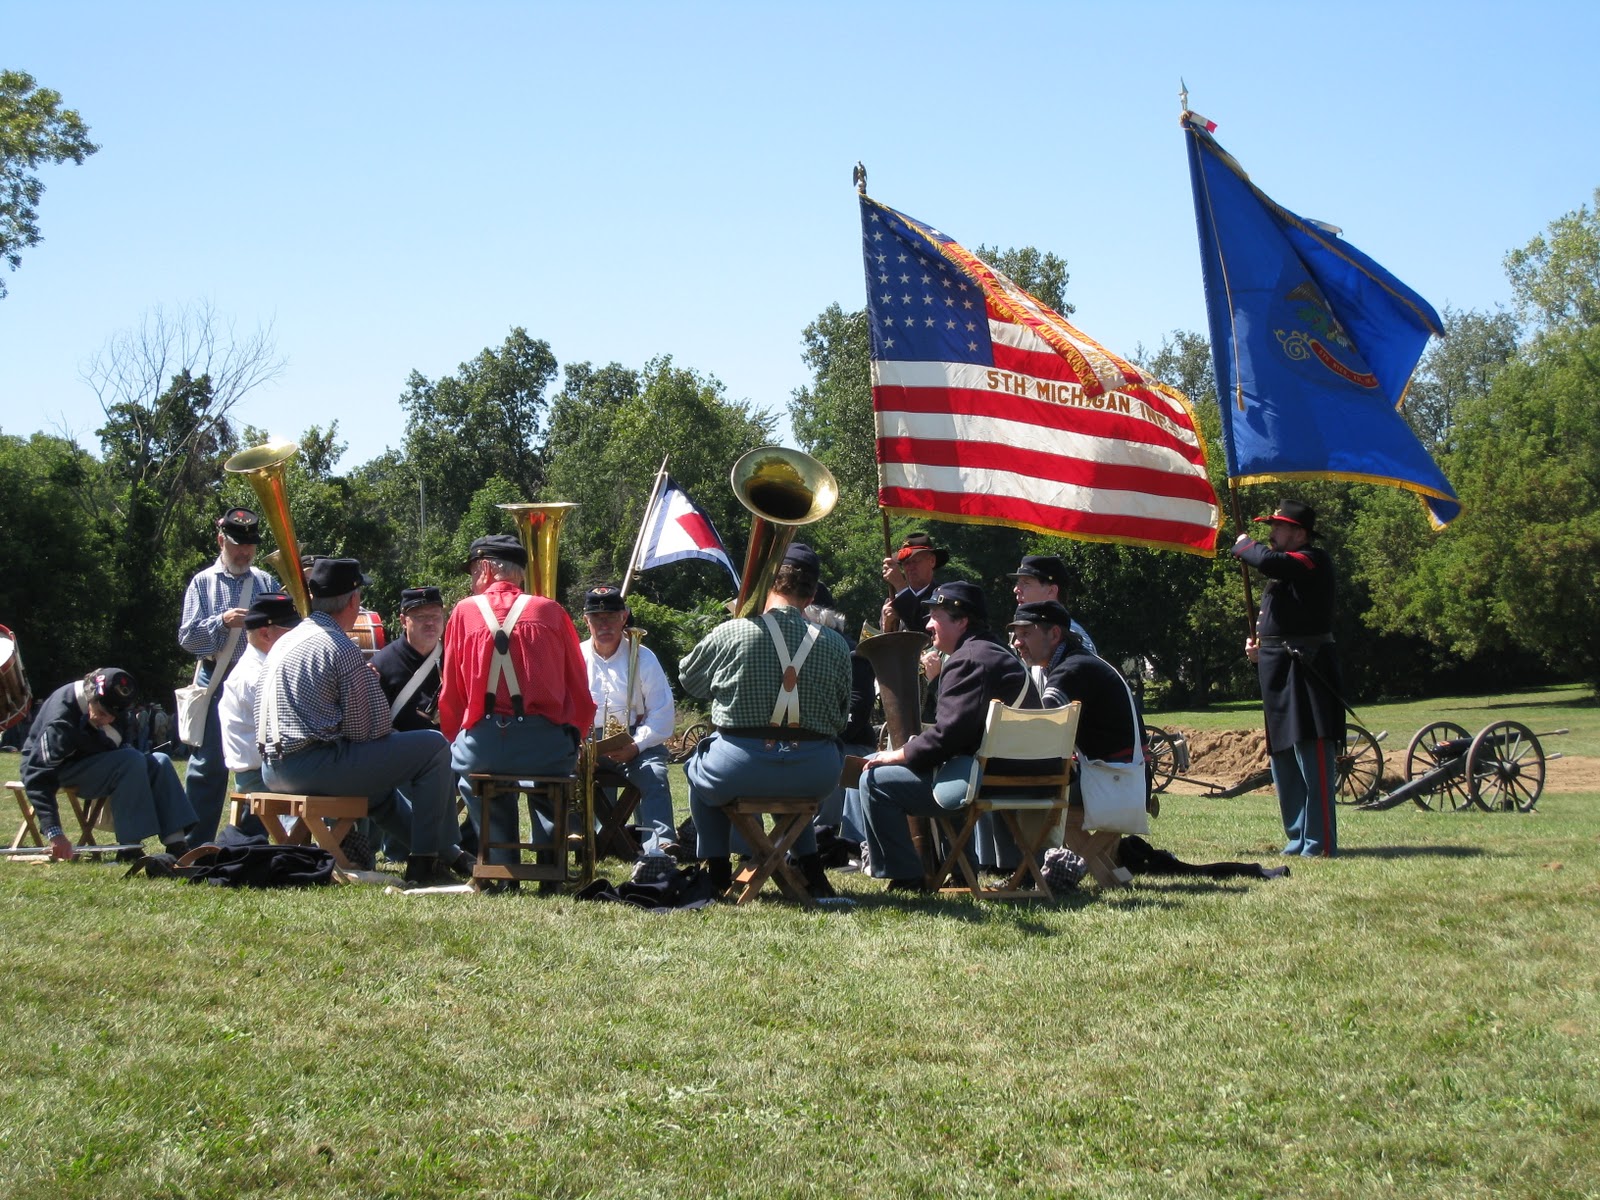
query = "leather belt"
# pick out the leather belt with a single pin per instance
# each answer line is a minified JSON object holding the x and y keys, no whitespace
{"x":1300,"y":641}
{"x":775,"y":733}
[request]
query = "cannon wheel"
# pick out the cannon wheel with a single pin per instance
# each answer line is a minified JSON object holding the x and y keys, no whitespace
{"x":1360,"y":764}
{"x":1421,"y":758}
{"x":689,"y":739}
{"x":1162,"y":757}
{"x":1505,"y":767}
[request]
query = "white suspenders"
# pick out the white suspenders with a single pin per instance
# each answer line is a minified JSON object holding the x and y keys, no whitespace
{"x":787,"y":709}
{"x":500,"y":664}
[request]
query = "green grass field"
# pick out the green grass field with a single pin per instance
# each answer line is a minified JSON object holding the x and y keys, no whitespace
{"x":1416,"y":1018}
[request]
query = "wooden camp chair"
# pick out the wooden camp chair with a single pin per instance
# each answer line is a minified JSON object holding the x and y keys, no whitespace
{"x":1031,"y":815}
{"x":769,"y":854}
{"x":551,"y":865}
{"x":293,"y":820}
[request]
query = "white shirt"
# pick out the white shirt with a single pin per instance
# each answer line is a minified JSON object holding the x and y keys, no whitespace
{"x":237,"y":712}
{"x":653,"y":715}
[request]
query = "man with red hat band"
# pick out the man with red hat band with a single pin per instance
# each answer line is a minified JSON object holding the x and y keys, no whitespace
{"x":1299,"y":672}
{"x":515,"y":695}
{"x":212,"y":629}
{"x":80,"y":739}
{"x":910,"y":572}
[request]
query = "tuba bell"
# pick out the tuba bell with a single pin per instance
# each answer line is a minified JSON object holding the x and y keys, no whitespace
{"x":784,"y":489}
{"x":263,"y":468}
{"x":539,"y":527}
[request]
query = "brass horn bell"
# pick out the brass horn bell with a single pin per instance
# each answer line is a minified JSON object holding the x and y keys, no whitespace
{"x":784,"y":489}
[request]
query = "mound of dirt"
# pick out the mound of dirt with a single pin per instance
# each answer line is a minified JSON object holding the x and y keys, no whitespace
{"x":1225,"y":755}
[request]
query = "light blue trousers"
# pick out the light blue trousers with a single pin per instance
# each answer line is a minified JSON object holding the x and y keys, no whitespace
{"x":1307,"y":778}
{"x":894,"y":793}
{"x":521,"y":746}
{"x":406,"y":778}
{"x":724,"y":768}
{"x":146,"y":798}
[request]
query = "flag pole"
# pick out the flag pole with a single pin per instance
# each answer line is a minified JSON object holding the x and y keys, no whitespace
{"x":649,"y":512}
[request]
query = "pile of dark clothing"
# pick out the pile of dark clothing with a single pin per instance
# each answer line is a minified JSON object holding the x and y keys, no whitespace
{"x":1141,"y":858}
{"x":239,"y":859}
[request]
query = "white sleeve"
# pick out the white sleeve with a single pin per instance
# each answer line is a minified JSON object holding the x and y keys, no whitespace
{"x":655,"y":693}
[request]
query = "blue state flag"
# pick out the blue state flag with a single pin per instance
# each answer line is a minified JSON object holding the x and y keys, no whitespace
{"x":1313,"y":342}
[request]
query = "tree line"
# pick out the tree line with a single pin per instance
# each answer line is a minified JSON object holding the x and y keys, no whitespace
{"x":98,"y":546}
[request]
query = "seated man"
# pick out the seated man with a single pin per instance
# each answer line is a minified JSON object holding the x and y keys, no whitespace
{"x":646,"y":714}
{"x":324,"y":729}
{"x":79,"y":739}
{"x":929,"y":773}
{"x":514,"y":696}
{"x":1108,"y":722}
{"x":268,"y":618}
{"x":1044,"y":577}
{"x":408,"y":667}
{"x":780,"y":692}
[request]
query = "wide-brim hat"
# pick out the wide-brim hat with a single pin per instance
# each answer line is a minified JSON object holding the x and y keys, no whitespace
{"x":1293,"y":512}
{"x":916,"y":542}
{"x":962,"y":598}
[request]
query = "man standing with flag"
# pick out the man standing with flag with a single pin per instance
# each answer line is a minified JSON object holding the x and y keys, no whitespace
{"x":1299,"y":671}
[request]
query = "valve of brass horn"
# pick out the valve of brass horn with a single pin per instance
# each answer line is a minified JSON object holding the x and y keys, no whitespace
{"x":263,"y":468}
{"x":539,"y":527}
{"x":784,"y":489}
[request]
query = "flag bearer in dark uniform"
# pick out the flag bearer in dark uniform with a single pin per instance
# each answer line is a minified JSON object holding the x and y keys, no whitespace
{"x":1300,"y":682}
{"x":780,"y":696}
{"x":81,"y":739}
{"x":910,"y":573}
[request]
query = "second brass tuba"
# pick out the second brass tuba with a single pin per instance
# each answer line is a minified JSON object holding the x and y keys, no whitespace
{"x":784,"y":489}
{"x":263,"y":468}
{"x":539,"y":527}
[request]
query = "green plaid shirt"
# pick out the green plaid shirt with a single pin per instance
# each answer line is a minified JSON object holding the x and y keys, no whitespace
{"x":736,"y":666}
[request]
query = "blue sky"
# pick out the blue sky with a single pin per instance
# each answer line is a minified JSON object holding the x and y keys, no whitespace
{"x":393,"y":187}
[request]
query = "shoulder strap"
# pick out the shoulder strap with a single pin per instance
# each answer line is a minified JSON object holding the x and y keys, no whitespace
{"x":786,"y":710}
{"x":500,"y":665}
{"x":1133,"y":713}
{"x":417,"y":676}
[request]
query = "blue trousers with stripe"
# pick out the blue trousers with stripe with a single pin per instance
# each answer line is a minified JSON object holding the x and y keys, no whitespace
{"x":1306,"y":778}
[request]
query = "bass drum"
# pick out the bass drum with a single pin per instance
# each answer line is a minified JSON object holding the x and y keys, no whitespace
{"x":368,"y":633}
{"x":14,"y":694}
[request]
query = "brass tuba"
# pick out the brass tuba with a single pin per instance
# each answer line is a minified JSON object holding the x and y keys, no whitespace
{"x":539,"y":527}
{"x":895,"y":660}
{"x":784,"y":489}
{"x":263,"y":468}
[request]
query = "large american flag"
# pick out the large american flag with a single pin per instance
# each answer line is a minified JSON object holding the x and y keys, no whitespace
{"x":991,"y":408}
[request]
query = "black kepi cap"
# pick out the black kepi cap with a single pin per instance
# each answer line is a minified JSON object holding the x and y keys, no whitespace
{"x":497,"y":545}
{"x":335,"y":577}
{"x":1046,"y":568}
{"x":962,"y":598}
{"x":604,"y":598}
{"x":241,"y":526}
{"x":1042,"y":612}
{"x":420,"y":597}
{"x":271,"y":608}
{"x":111,"y":688}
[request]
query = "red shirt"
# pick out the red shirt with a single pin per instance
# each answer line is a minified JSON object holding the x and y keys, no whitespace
{"x":544,"y":654}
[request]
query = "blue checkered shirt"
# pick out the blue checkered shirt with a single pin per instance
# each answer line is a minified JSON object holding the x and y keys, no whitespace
{"x":211,"y":593}
{"x":317,"y":687}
